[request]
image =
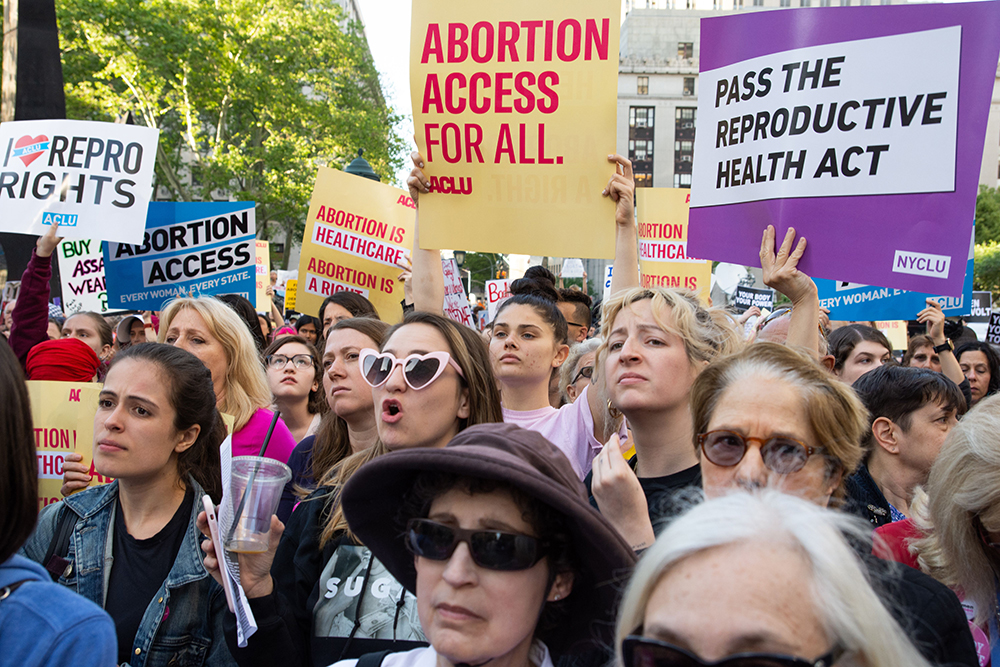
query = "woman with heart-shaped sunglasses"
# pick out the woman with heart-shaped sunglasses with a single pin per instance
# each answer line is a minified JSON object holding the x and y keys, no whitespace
{"x":318,"y":595}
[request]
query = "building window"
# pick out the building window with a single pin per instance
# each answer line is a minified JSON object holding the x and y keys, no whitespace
{"x":784,"y":3}
{"x":824,"y":3}
{"x":865,"y":3}
{"x":642,"y":88}
{"x":758,"y":3}
{"x":685,"y":50}
{"x":640,"y":144}
{"x":640,"y":117}
{"x":805,"y":3}
{"x":682,"y":180}
{"x":688,"y":86}
{"x":845,"y":3}
{"x":640,"y":149}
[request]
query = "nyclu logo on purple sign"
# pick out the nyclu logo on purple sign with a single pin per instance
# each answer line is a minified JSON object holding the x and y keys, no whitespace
{"x":862,"y":127}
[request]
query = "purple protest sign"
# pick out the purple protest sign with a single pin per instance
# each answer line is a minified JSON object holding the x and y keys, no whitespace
{"x":862,"y":127}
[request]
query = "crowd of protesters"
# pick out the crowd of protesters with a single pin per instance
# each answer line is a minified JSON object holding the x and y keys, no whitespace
{"x":649,"y":482}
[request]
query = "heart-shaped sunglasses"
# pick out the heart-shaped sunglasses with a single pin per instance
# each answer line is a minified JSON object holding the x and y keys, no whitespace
{"x":419,"y":370}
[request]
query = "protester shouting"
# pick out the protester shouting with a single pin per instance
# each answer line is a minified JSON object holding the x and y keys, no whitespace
{"x":134,"y":545}
{"x":318,"y":594}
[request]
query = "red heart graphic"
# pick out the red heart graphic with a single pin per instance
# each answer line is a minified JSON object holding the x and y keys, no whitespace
{"x":28,"y":141}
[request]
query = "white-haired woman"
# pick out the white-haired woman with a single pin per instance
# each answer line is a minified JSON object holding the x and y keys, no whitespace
{"x":954,"y":533}
{"x":751,"y":580}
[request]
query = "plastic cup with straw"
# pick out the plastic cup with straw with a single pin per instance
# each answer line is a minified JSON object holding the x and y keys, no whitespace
{"x":258,"y":483}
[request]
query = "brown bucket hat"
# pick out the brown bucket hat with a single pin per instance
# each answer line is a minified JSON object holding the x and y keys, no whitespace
{"x":527,"y":461}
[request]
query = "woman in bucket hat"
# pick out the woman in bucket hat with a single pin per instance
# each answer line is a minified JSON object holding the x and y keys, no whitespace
{"x":495,"y":536}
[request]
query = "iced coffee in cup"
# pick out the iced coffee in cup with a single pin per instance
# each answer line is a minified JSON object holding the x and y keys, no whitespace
{"x":257,"y":484}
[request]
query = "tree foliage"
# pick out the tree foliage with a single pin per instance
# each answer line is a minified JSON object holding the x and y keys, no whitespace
{"x":250,"y":96}
{"x":987,"y":214}
{"x":986,"y":275}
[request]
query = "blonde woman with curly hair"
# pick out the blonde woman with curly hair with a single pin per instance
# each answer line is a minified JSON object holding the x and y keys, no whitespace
{"x":748,"y":580}
{"x":655,"y":344}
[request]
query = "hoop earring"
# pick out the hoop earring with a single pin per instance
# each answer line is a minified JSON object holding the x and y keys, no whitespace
{"x":613,"y":411}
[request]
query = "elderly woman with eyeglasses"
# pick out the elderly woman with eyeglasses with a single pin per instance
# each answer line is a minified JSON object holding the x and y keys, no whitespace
{"x":771,"y":417}
{"x":758,"y":580}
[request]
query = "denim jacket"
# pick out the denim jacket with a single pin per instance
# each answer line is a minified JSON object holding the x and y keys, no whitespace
{"x":182,"y":626}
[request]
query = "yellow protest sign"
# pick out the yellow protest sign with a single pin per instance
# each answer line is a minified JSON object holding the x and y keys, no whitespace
{"x":357,"y":231}
{"x":263,"y":301}
{"x":895,"y":331}
{"x":63,"y":418}
{"x":663,"y":228}
{"x":514,"y":107}
{"x":291,"y":287}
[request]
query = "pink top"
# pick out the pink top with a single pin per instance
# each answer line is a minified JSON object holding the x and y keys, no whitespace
{"x":247,"y":440}
{"x":570,"y":428}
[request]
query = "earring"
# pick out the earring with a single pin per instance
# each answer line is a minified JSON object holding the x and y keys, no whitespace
{"x":613,"y":411}
{"x":556,"y":597}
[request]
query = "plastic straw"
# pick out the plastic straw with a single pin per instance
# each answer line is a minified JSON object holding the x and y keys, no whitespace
{"x":253,"y":474}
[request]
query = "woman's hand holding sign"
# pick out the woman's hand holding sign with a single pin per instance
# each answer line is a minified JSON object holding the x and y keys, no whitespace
{"x":621,"y":190}
{"x":781,"y":272}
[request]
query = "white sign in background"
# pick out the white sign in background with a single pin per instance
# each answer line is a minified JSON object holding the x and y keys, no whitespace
{"x":81,"y":271}
{"x":94,"y":179}
{"x":900,"y":77}
{"x":497,"y":291}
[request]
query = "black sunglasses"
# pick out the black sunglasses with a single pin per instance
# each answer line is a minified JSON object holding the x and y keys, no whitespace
{"x":782,"y":455}
{"x":491,"y":549}
{"x":645,"y":652}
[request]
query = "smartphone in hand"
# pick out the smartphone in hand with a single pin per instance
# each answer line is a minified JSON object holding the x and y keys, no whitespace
{"x":213,"y":526}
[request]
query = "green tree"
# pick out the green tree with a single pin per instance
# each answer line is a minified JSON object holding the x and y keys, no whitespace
{"x":986,"y":272}
{"x":483,"y":266}
{"x":250,"y":96}
{"x":987,"y":214}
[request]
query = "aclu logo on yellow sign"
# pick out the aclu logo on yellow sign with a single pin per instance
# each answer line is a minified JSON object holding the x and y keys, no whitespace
{"x":61,"y":219}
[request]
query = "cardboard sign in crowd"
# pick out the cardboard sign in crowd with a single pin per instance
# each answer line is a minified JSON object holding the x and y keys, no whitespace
{"x":93,"y":179}
{"x":358,"y":233}
{"x":514,"y":108}
{"x":862,"y":127}
{"x":63,"y":417}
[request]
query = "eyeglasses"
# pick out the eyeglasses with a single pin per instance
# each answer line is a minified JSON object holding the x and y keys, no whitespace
{"x":782,"y":455}
{"x":780,"y":312}
{"x":585,"y":372}
{"x":419,"y":370}
{"x":491,"y":549}
{"x":279,"y":361}
{"x":574,"y":324}
{"x":644,"y":652}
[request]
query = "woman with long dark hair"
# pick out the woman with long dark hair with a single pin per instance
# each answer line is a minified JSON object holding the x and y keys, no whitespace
{"x":134,"y":548}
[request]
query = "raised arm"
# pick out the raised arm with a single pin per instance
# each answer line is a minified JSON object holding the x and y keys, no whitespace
{"x":30,"y":317}
{"x":621,"y":190}
{"x":427,"y":282}
{"x":934,"y":318}
{"x":781,"y":273}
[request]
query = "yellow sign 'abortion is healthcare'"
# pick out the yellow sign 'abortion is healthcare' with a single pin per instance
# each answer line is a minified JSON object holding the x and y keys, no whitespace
{"x":357,"y":233}
{"x":663,"y":233}
{"x":63,"y":417}
{"x":514,"y":108}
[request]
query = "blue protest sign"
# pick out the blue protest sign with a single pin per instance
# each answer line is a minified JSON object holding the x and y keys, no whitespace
{"x":194,"y":248}
{"x":853,"y":302}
